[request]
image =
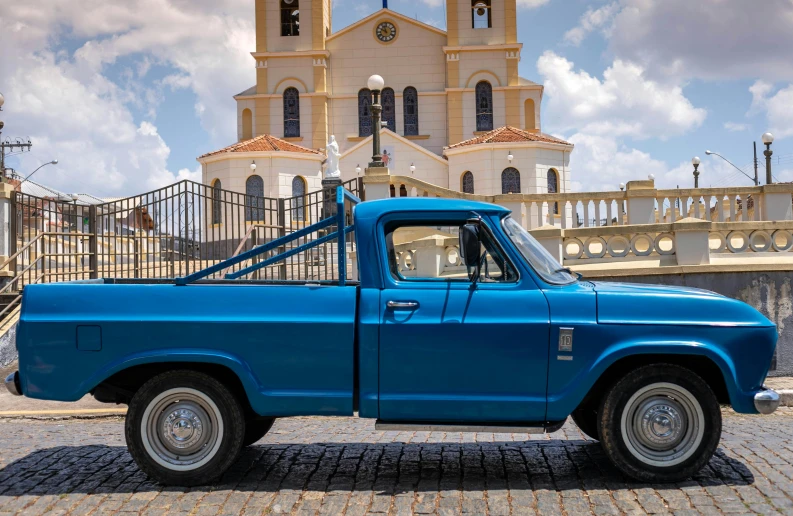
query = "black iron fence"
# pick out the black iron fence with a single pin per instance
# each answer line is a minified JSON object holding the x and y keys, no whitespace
{"x":169,"y":232}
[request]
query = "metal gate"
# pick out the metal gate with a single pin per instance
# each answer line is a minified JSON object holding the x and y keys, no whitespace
{"x":169,"y":232}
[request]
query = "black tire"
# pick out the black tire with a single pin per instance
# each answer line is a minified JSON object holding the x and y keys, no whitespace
{"x":255,"y":429}
{"x":585,"y":418}
{"x":202,"y":417}
{"x":671,"y":428}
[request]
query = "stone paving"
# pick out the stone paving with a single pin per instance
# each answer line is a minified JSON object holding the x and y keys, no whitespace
{"x":343,"y":466}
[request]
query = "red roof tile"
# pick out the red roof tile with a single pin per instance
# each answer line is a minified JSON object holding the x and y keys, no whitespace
{"x":263,"y":143}
{"x":509,"y":134}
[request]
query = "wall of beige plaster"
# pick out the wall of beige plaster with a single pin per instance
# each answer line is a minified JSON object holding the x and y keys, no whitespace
{"x":415,"y":58}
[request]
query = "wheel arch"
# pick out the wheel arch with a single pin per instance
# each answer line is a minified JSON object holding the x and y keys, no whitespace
{"x":709,"y":363}
{"x":118,"y":382}
{"x":702,"y":365}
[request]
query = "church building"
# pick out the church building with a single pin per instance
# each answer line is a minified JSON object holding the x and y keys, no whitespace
{"x":455,"y":110}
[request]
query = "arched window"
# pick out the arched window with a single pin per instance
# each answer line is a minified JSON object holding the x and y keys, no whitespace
{"x":254,"y":199}
{"x":247,"y":124}
{"x":299,"y":201}
{"x":553,"y":187}
{"x":291,"y":113}
{"x":481,"y":14}
{"x":365,"y":112}
{"x":468,"y":182}
{"x":484,"y":106}
{"x":510,"y":181}
{"x":392,"y":189}
{"x":410,"y":105}
{"x":217,"y":202}
{"x":290,"y":17}
{"x":531,"y":120}
{"x":389,"y":109}
{"x":403,"y":191}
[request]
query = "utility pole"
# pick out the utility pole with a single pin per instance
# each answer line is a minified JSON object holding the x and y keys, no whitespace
{"x":756,"y":176}
{"x":8,"y":146}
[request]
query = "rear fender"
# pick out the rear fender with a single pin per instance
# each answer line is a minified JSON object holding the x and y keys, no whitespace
{"x":195,"y":355}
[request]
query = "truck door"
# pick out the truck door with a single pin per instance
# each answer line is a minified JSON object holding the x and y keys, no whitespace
{"x":452,"y":350}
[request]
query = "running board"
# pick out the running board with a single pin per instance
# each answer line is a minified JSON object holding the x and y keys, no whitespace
{"x":515,"y":428}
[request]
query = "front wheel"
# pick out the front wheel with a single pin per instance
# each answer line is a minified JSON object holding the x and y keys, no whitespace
{"x":660,"y":423}
{"x":184,"y":428}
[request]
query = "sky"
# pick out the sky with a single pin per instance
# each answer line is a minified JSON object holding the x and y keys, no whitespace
{"x":127,"y":94}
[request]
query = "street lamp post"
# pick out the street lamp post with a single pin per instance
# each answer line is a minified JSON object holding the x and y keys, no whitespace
{"x":53,"y":162}
{"x":711,"y":153}
{"x":768,"y":139}
{"x":376,"y":84}
{"x":696,"y":161}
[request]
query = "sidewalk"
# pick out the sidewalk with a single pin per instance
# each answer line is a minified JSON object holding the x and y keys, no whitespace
{"x":784,"y":386}
{"x":20,"y":406}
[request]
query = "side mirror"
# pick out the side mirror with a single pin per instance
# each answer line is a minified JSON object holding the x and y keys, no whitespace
{"x":470,"y":245}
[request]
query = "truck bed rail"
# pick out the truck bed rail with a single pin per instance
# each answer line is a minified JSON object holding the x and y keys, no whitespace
{"x":338,"y":220}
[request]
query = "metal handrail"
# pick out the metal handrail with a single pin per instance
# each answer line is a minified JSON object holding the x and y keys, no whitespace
{"x":21,"y":274}
{"x":36,"y":239}
{"x":11,"y":305}
{"x":250,"y":232}
{"x":16,"y":254}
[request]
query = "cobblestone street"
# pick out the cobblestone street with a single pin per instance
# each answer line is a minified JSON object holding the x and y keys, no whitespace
{"x":343,"y":466}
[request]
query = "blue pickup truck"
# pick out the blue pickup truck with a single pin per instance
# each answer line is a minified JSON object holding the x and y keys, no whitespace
{"x":509,"y":341}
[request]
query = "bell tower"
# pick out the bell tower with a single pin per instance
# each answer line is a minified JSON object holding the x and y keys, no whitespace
{"x":291,"y":66}
{"x":292,"y":25}
{"x":481,"y":22}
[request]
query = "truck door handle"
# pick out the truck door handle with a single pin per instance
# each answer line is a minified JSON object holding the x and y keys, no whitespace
{"x":402,"y":305}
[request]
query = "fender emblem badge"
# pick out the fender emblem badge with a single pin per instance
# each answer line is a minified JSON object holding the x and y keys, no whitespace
{"x":566,"y":340}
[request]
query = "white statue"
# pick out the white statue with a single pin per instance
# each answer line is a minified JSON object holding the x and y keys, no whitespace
{"x":332,"y":169}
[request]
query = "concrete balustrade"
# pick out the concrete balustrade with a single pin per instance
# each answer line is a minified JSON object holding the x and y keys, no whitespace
{"x":640,"y":203}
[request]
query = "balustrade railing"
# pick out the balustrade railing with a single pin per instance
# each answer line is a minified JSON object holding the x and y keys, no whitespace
{"x":665,"y":227}
{"x":641,"y":204}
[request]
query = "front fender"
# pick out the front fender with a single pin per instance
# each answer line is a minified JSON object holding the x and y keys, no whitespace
{"x":743,"y":369}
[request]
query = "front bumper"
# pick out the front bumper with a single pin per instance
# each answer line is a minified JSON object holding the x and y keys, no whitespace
{"x":765,"y":401}
{"x":12,"y":384}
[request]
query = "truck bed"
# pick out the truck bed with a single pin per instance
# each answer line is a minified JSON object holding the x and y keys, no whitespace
{"x":292,"y":345}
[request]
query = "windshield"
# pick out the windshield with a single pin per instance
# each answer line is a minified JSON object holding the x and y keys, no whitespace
{"x":538,"y":257}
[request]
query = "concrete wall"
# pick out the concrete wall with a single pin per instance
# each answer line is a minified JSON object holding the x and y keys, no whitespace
{"x":768,"y":292}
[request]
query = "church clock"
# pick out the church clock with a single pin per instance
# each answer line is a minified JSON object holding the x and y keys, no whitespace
{"x":386,"y":32}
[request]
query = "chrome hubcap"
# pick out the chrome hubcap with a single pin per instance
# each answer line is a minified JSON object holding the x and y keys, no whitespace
{"x":662,"y":424}
{"x":182,"y":429}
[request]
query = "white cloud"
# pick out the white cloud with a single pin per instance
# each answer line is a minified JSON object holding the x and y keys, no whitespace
{"x":601,"y":163}
{"x":623,"y":103}
{"x":735,"y":127}
{"x":531,"y":4}
{"x":777,"y":107}
{"x":602,"y":116}
{"x":592,"y":20}
{"x":77,"y":108}
{"x":712,"y":39}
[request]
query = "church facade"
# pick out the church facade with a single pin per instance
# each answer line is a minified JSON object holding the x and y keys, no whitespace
{"x":455,"y":110}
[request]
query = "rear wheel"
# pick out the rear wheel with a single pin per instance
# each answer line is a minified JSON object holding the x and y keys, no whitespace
{"x":660,"y":423}
{"x":184,"y":428}
{"x":255,"y":429}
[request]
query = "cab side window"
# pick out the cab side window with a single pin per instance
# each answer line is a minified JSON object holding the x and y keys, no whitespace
{"x":432,"y":253}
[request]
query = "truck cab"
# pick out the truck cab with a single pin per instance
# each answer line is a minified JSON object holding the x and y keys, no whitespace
{"x":455,"y":319}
